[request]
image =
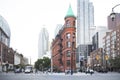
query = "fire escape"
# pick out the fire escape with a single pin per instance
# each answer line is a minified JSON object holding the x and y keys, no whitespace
{"x":60,"y":51}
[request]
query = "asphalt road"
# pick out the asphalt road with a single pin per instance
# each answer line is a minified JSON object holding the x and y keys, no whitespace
{"x":56,"y":76}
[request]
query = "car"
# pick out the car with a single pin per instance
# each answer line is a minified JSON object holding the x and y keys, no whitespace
{"x":89,"y":71}
{"x":119,"y":71}
{"x":17,"y":70}
{"x":67,"y":71}
{"x":102,"y":70}
{"x":28,"y":69}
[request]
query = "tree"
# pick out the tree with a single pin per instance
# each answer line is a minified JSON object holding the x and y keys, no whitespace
{"x":43,"y":64}
{"x":38,"y":63}
{"x":46,"y":63}
{"x":115,"y":63}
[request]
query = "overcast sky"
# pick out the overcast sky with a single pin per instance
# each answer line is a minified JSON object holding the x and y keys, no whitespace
{"x":27,"y":17}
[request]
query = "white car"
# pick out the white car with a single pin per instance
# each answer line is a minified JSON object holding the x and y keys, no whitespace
{"x":28,"y":71}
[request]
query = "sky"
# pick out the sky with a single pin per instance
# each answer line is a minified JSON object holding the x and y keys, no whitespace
{"x":27,"y":17}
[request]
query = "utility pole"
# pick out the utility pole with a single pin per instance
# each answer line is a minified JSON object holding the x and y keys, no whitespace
{"x":30,"y":60}
{"x":51,"y":63}
{"x":1,"y":58}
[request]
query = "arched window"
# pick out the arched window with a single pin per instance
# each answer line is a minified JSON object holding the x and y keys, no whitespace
{"x":68,"y":35}
{"x":67,"y":23}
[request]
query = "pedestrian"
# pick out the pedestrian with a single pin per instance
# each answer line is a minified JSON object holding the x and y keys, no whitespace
{"x":91,"y":73}
{"x":36,"y":71}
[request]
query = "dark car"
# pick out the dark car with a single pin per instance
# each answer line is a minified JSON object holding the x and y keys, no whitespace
{"x":119,"y":71}
{"x":103,"y":71}
{"x":89,"y":71}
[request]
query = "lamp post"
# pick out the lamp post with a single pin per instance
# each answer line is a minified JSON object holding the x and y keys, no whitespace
{"x":7,"y":65}
{"x":43,"y":66}
{"x":1,"y":58}
{"x":72,"y":59}
{"x":51,"y":63}
{"x":112,"y":15}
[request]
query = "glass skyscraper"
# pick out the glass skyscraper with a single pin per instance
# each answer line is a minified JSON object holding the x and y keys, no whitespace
{"x":85,"y":29}
{"x":43,"y":43}
{"x":85,"y":20}
{"x":4,"y":31}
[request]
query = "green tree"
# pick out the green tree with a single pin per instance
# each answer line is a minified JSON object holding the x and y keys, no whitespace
{"x":46,"y":62}
{"x":42,"y":64}
{"x":115,"y":63}
{"x":38,"y":64}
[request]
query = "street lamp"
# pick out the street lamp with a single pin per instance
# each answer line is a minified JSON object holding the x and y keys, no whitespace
{"x":7,"y":65}
{"x":72,"y":59}
{"x":43,"y":66}
{"x":112,"y":15}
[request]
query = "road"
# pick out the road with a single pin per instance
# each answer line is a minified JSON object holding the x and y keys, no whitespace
{"x":56,"y":76}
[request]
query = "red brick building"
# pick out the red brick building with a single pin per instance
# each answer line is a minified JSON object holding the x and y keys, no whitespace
{"x":64,"y":45}
{"x":6,"y":56}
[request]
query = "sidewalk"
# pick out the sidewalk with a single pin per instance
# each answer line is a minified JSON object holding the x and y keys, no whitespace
{"x":76,"y":74}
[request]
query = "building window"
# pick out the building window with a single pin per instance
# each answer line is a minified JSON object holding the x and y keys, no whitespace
{"x":68,"y":35}
{"x":68,"y":44}
{"x":68,"y":53}
{"x":68,"y":62}
{"x":74,"y":23}
{"x":67,"y":23}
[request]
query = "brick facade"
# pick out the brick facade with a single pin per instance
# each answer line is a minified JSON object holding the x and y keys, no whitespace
{"x":63,"y":47}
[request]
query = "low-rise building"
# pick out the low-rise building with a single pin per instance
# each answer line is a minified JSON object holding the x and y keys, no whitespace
{"x":112,"y":44}
{"x":96,"y":59}
{"x":16,"y":58}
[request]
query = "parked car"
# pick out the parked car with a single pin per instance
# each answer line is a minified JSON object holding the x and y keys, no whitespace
{"x":17,"y":70}
{"x":28,"y":69}
{"x":119,"y":71}
{"x":89,"y":71}
{"x":103,"y":70}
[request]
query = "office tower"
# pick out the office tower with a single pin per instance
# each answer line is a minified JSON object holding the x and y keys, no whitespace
{"x":6,"y":53}
{"x":43,"y":43}
{"x":85,"y":20}
{"x":4,"y":32}
{"x":85,"y":29}
{"x":97,"y":39}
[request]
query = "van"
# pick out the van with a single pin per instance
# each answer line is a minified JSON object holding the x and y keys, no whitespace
{"x":28,"y":69}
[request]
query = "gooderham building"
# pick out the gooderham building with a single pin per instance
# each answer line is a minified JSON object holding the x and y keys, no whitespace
{"x":64,"y":45}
